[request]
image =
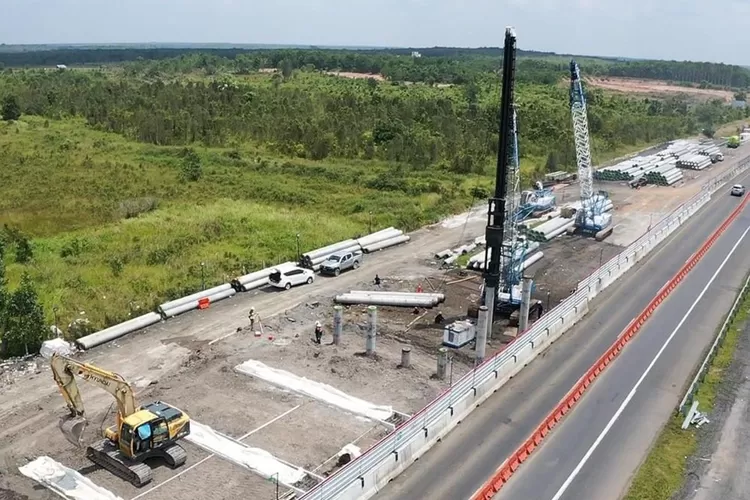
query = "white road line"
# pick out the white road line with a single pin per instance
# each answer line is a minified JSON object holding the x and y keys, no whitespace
{"x":213,"y":455}
{"x":624,"y":404}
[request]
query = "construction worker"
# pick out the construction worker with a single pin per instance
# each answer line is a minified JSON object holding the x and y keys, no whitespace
{"x":377,"y":281}
{"x":251,"y":317}
{"x":318,"y":332}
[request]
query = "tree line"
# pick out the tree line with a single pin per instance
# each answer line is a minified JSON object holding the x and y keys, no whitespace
{"x":313,"y":116}
{"x":437,"y":65}
{"x":22,"y":325}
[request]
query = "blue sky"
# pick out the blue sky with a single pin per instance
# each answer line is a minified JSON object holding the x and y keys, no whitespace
{"x":657,"y":29}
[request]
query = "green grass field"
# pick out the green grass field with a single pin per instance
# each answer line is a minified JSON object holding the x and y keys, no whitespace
{"x":115,"y":231}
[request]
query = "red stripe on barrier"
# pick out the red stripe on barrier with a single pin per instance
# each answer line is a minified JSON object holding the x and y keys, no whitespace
{"x":503,"y":475}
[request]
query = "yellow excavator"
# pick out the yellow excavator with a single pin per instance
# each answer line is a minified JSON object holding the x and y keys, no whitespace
{"x":139,"y":433}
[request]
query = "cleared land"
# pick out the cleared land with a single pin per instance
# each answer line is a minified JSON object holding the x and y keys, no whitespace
{"x":190,"y":360}
{"x":657,"y":88}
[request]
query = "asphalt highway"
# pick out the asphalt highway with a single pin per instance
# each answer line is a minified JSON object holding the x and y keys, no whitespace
{"x":456,"y":467}
{"x":600,"y":444}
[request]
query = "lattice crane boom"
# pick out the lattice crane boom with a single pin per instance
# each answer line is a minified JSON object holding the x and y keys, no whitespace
{"x":581,"y":135}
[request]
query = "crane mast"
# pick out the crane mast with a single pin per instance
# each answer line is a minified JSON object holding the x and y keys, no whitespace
{"x":592,"y":217}
{"x":581,"y":135}
{"x":497,"y":215}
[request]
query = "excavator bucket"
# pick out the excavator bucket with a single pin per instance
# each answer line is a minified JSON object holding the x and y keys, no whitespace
{"x":73,"y":428}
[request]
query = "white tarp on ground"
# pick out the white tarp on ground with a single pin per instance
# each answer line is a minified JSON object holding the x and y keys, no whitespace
{"x":315,"y":390}
{"x":64,"y":481}
{"x":55,"y":345}
{"x":257,"y":460}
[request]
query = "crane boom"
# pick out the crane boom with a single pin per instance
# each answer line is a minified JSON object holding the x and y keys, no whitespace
{"x":496,"y":214}
{"x":581,"y":134}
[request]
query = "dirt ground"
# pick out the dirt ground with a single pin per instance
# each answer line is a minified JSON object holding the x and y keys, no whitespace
{"x":656,"y":88}
{"x":190,"y":362}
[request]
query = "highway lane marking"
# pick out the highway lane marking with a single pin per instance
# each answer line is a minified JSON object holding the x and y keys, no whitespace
{"x":196,"y":464}
{"x":625,"y":403}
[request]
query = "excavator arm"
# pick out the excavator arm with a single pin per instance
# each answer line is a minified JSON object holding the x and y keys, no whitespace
{"x":65,"y":370}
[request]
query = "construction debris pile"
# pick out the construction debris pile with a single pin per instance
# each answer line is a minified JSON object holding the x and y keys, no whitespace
{"x":663,"y":168}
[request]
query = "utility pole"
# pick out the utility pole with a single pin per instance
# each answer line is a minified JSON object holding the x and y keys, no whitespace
{"x":203,"y":276}
{"x":299,"y":257}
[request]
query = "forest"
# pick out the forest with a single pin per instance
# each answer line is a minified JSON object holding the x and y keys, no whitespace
{"x":117,"y":182}
{"x":437,"y":64}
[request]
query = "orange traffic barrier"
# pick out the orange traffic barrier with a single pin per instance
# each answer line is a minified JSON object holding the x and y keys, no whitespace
{"x":506,"y":470}
{"x":203,"y":303}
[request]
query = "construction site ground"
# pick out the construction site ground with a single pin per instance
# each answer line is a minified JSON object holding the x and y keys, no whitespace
{"x":189,"y":361}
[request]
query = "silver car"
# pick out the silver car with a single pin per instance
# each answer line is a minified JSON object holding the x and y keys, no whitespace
{"x":738,"y":190}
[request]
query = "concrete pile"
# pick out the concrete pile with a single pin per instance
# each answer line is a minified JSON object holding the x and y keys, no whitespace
{"x":449,"y":256}
{"x":695,"y":161}
{"x":550,"y":229}
{"x":662,"y":168}
{"x":393,"y":299}
{"x":367,"y":244}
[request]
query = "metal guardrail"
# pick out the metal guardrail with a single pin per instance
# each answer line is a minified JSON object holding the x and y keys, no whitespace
{"x":337,"y":483}
{"x":687,"y":401}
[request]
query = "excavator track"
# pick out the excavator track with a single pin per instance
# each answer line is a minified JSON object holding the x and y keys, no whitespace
{"x":174,"y":454}
{"x":106,"y":455}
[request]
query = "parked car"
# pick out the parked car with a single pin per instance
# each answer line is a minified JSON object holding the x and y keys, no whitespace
{"x":341,"y":261}
{"x":738,"y":190}
{"x":288,"y":277}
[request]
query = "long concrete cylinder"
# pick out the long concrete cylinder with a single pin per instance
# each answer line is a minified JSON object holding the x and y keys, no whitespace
{"x":406,"y":357}
{"x":379,"y":236}
{"x":387,"y":243}
{"x":117,"y":331}
{"x":481,"y":339}
{"x":442,"y":363}
{"x":523,"y":318}
{"x":372,"y":311}
{"x":337,"y":324}
{"x":330,"y":249}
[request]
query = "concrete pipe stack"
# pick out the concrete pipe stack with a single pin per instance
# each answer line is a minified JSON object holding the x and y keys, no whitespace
{"x":665,"y":175}
{"x":313,"y":259}
{"x":392,"y":299}
{"x":694,"y":162}
{"x":541,"y":232}
{"x":190,"y":302}
{"x":478,"y":263}
{"x":252,"y":281}
{"x":117,"y":331}
{"x":382,"y":239}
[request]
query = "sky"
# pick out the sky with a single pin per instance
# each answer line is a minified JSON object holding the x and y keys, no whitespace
{"x":697,"y":30}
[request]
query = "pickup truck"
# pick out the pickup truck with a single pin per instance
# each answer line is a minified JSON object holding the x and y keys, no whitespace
{"x":341,"y":261}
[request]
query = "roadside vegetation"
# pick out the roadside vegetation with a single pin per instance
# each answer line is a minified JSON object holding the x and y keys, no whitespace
{"x":116,"y":183}
{"x":662,"y":473}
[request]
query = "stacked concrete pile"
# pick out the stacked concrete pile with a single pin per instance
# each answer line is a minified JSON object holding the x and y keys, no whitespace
{"x":367,"y":244}
{"x":695,"y":161}
{"x":525,"y":253}
{"x":449,"y":256}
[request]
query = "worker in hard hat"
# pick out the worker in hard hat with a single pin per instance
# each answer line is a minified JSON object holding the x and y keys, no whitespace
{"x":318,"y":332}
{"x":251,"y":317}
